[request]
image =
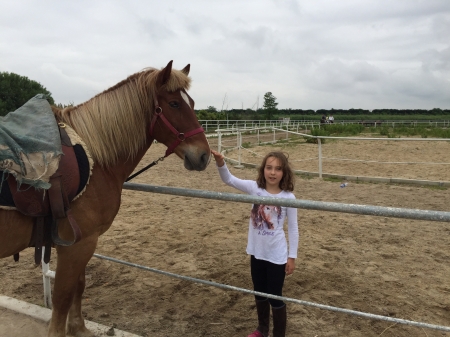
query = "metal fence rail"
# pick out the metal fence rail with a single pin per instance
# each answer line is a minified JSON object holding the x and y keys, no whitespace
{"x":297,"y":203}
{"x":282,"y":298}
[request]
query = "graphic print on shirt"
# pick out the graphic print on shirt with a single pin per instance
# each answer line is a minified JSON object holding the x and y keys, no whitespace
{"x":265,"y":216}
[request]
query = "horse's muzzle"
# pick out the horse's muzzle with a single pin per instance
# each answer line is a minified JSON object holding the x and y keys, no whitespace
{"x":197,"y":162}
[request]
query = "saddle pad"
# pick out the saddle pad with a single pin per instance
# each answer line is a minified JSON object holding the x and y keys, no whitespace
{"x":30,"y":145}
{"x":85,"y":165}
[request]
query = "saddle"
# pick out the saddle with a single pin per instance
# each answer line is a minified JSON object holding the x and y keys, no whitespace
{"x":49,"y":206}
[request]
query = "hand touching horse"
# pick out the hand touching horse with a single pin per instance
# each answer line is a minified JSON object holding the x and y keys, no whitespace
{"x":117,"y":126}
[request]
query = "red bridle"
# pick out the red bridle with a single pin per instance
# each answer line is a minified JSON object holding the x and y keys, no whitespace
{"x":158,"y":113}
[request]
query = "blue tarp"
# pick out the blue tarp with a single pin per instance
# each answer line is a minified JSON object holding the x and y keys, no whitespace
{"x":30,"y":144}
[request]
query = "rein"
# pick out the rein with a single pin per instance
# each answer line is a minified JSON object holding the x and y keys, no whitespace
{"x":158,"y":113}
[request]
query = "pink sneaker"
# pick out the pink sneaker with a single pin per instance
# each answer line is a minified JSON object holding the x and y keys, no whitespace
{"x":256,"y":333}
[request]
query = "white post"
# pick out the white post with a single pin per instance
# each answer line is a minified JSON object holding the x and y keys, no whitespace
{"x":258,"y":136}
{"x":239,"y":150}
{"x":240,"y":145}
{"x":219,"y":141}
{"x":274,"y":140}
{"x":319,"y":143}
{"x":46,"y":275}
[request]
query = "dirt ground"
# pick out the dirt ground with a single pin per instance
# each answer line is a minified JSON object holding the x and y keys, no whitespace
{"x":385,"y":266}
{"x":13,"y":324}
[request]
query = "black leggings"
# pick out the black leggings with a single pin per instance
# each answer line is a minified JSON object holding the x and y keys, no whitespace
{"x":268,"y":278}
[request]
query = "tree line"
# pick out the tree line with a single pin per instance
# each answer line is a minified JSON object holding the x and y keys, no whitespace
{"x":211,"y":113}
{"x":16,"y":90}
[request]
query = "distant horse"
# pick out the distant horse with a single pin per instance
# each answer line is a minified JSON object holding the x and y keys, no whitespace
{"x":117,"y":126}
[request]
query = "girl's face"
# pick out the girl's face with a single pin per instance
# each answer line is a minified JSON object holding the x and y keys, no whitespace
{"x":273,"y":172}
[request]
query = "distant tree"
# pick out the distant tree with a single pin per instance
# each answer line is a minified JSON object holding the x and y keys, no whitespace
{"x":16,"y":90}
{"x":210,"y":113}
{"x":211,"y":109}
{"x":270,"y":105}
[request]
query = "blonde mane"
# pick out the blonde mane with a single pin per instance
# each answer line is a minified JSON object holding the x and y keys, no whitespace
{"x":113,"y":124}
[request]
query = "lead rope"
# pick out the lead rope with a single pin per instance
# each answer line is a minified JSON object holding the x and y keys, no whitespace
{"x":145,"y":168}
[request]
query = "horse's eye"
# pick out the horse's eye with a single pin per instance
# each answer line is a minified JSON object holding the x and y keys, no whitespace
{"x":174,"y":104}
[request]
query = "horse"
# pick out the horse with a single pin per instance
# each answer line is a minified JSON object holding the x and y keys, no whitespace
{"x":117,"y":126}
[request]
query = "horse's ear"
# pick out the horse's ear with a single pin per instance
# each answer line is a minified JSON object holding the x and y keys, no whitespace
{"x":164,"y":75}
{"x":186,"y":69}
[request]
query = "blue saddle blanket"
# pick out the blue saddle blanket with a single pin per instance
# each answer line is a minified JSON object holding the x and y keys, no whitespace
{"x":30,"y":143}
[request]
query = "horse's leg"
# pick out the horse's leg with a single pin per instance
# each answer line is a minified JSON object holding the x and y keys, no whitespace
{"x":75,"y":321}
{"x":69,"y":287}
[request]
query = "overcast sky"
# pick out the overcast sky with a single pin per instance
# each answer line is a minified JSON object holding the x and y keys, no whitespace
{"x":311,"y":54}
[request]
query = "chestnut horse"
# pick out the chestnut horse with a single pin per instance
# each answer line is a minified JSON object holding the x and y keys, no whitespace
{"x":118,"y":126}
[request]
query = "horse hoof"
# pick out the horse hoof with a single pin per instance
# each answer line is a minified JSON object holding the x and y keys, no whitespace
{"x":84,"y":332}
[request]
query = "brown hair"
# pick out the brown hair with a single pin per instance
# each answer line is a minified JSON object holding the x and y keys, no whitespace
{"x":287,"y":181}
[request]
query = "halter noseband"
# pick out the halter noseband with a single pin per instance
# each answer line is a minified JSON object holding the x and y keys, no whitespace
{"x":158,"y":113}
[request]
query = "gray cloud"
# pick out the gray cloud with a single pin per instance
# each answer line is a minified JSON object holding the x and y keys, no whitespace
{"x":311,"y":54}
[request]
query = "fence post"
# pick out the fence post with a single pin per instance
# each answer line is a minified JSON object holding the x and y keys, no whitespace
{"x":319,"y":143}
{"x":239,"y":143}
{"x":219,"y":141}
{"x":46,"y":280}
{"x":258,"y":136}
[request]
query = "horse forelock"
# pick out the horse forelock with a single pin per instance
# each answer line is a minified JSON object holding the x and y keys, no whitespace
{"x":113,"y":123}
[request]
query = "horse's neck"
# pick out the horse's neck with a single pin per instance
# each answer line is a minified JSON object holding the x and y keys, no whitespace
{"x":125,"y":166}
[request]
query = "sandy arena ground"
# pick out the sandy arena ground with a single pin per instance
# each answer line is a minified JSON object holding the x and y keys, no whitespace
{"x":384,"y":266}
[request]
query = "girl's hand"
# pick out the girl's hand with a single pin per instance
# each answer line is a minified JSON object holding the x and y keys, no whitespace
{"x":218,"y":157}
{"x":290,"y":266}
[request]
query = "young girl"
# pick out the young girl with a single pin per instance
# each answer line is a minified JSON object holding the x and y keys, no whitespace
{"x":271,"y":259}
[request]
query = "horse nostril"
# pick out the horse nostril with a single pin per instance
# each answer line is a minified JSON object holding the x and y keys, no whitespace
{"x":205,"y":158}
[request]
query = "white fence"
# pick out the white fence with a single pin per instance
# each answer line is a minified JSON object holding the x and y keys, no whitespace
{"x":212,"y":125}
{"x":232,"y":140}
{"x":304,"y":204}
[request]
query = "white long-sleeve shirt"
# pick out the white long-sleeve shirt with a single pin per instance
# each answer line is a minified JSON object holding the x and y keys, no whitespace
{"x":266,"y":236}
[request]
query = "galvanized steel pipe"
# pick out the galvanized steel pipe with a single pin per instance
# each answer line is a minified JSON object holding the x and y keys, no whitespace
{"x":416,"y":214}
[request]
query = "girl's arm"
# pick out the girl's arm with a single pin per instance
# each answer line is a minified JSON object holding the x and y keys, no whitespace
{"x":290,"y":266}
{"x":246,"y":186}
{"x":218,"y":158}
{"x":293,"y":239}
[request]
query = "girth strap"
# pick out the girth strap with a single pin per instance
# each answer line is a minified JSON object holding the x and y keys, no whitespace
{"x":38,"y":238}
{"x":42,"y":238}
